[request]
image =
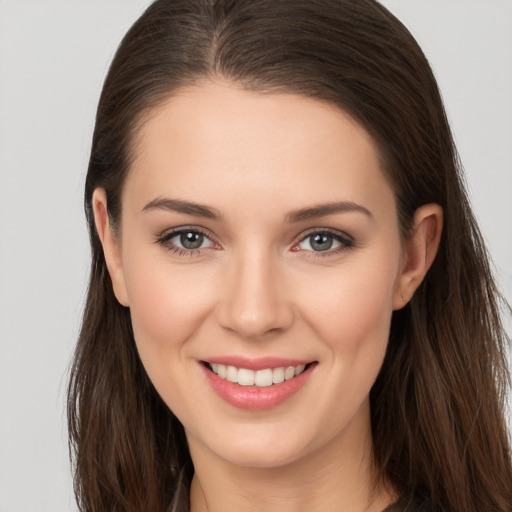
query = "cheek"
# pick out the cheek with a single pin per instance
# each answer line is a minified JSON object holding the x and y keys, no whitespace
{"x":166,"y":309}
{"x":353,"y":313}
{"x":352,"y":322}
{"x":166,"y":305}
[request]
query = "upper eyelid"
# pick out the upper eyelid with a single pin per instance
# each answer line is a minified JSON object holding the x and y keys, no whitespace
{"x":170,"y":232}
{"x":330,"y":231}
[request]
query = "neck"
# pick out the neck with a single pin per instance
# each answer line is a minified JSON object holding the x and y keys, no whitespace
{"x":340,"y":476}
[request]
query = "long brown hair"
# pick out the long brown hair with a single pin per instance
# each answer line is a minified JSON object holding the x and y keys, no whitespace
{"x":437,"y":407}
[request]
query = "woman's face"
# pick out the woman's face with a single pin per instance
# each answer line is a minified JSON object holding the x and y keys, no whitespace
{"x":259,"y":234}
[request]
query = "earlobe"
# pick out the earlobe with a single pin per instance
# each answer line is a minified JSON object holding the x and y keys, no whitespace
{"x":110,"y":244}
{"x":420,"y":252}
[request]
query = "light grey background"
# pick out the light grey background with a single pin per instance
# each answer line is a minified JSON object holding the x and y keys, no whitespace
{"x":53,"y":57}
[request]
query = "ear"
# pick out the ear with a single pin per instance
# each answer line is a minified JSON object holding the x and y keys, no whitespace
{"x":110,"y":243}
{"x":420,"y":252}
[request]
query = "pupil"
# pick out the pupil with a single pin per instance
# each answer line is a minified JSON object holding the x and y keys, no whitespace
{"x":191,"y":240}
{"x":321,"y":242}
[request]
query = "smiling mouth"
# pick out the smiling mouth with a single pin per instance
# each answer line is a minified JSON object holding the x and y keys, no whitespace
{"x":259,"y":378}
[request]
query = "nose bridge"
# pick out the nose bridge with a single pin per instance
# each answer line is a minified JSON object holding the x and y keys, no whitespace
{"x":254,"y":299}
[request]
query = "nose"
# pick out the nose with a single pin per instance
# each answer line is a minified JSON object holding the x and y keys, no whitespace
{"x":254,"y":300}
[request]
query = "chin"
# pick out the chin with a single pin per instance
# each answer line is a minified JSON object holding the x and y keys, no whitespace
{"x":260,"y":459}
{"x":261,"y":450}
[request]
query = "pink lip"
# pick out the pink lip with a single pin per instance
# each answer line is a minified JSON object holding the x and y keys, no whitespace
{"x":254,"y":398}
{"x":260,"y":363}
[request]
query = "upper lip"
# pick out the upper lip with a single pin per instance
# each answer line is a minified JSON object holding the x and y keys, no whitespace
{"x":259,"y":363}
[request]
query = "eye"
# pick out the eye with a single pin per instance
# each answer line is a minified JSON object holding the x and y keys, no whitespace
{"x":324,"y":241}
{"x":186,"y":241}
{"x":190,"y":240}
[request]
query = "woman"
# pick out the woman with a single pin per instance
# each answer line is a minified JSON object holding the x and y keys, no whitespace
{"x":290,"y":305}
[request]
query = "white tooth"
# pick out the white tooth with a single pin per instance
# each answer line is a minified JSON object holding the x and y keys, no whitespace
{"x":231,"y":374}
{"x":299,"y":369}
{"x":277,"y":375}
{"x":263,"y":378}
{"x":214,"y":367}
{"x":289,"y":373}
{"x":221,"y":369}
{"x":245,"y":377}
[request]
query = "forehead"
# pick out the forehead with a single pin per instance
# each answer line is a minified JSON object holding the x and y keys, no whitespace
{"x":216,"y":141}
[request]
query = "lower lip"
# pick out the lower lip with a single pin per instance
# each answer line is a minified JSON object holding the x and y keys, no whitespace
{"x":254,"y":398}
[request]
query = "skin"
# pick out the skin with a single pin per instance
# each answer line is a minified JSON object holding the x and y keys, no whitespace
{"x":259,"y":289}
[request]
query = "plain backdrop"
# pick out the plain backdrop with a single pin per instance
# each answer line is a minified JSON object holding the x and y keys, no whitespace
{"x":53,"y":57}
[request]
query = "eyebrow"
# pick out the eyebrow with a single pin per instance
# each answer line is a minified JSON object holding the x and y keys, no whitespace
{"x":200,"y":210}
{"x":326,"y":209}
{"x":181,"y":206}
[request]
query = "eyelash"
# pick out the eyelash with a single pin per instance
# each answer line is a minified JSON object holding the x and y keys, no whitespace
{"x":346,"y":242}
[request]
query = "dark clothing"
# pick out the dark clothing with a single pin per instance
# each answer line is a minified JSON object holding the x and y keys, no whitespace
{"x":411,"y":505}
